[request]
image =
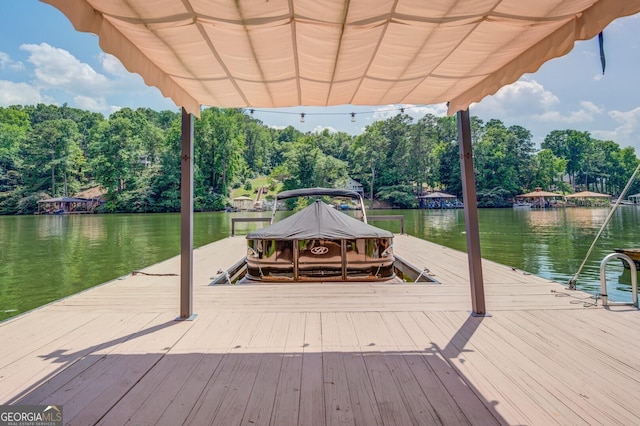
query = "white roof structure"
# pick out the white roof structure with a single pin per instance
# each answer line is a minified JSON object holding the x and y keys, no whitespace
{"x":280,"y":53}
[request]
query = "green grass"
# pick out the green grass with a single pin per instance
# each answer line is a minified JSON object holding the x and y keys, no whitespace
{"x":255,"y":184}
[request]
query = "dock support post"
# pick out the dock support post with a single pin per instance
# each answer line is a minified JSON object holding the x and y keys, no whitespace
{"x":471,"y":214}
{"x":186,"y":218}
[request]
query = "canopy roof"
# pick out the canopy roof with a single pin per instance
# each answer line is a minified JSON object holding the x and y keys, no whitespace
{"x":65,"y":200}
{"x":438,"y":195}
{"x":317,"y":192}
{"x":588,"y":194}
{"x":279,"y":53}
{"x":635,"y":195}
{"x":318,"y":220}
{"x":538,"y":194}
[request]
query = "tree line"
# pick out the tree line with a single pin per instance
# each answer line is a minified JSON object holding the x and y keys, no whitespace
{"x":51,"y":151}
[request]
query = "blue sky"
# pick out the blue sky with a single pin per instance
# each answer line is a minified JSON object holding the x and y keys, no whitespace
{"x":43,"y":59}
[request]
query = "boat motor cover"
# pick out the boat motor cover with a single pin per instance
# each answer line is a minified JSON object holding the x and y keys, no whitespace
{"x":318,"y":221}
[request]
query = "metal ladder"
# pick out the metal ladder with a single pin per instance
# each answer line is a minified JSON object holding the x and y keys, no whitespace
{"x":634,"y":279}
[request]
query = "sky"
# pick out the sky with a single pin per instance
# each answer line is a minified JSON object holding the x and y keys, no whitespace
{"x":44,"y":60}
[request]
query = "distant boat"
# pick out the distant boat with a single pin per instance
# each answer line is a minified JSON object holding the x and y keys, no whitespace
{"x":521,"y":205}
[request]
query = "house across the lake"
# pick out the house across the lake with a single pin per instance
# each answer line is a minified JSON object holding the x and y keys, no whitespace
{"x":354,"y":185}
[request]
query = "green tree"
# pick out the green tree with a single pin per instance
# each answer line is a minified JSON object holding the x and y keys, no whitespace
{"x":502,"y":157}
{"x":259,"y":146}
{"x":220,"y":143}
{"x":571,"y":145}
{"x":14,"y":126}
{"x":422,"y":144}
{"x":547,"y":169}
{"x":55,"y":159}
{"x":117,"y":158}
{"x":369,"y":153}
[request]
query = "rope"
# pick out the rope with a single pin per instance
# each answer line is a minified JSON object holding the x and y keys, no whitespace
{"x":153,"y":275}
{"x":572,"y":281}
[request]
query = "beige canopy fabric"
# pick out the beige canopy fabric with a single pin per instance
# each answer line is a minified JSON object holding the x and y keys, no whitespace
{"x":538,"y":194}
{"x":438,"y":195}
{"x":588,"y":194}
{"x":280,"y":53}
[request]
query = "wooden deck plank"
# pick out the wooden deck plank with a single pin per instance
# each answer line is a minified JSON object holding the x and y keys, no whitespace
{"x":327,"y":353}
{"x":544,"y":372}
{"x":286,"y":406}
{"x":142,"y":405}
{"x":188,"y":397}
{"x":432,"y":386}
{"x":312,"y":403}
{"x":447,"y":341}
{"x":533,"y":385}
{"x":95,"y":391}
{"x":62,"y":360}
{"x":270,"y":341}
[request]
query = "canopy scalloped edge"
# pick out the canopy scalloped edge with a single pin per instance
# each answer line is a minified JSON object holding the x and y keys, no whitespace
{"x":85,"y":19}
{"x":584,"y":26}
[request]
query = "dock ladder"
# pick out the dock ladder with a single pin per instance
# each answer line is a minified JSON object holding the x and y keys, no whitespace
{"x":634,"y":278}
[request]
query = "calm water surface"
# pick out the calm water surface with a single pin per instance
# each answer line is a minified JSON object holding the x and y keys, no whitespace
{"x":44,"y":258}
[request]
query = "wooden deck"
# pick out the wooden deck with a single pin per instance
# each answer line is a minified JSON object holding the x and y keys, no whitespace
{"x":325,"y":354}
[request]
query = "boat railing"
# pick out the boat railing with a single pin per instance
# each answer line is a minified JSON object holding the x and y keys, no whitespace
{"x":634,"y":279}
{"x":246,"y":219}
{"x":398,"y":217}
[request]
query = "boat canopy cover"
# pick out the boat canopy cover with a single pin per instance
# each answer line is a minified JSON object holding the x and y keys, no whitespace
{"x":310,"y":192}
{"x":318,"y":221}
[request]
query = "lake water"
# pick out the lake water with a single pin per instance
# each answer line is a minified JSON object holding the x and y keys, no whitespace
{"x":44,"y":258}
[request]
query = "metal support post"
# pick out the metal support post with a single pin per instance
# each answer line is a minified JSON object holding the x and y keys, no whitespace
{"x":471,"y":214}
{"x":186,"y":219}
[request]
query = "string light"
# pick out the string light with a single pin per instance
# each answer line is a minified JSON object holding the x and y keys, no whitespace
{"x":401,"y":110}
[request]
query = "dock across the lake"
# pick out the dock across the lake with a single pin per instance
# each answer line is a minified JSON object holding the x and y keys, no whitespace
{"x":327,"y":353}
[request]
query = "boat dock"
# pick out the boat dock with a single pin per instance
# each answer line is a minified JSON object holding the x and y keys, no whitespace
{"x":327,"y":353}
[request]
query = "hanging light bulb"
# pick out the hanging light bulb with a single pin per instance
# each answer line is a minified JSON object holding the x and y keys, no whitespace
{"x":251,"y":111}
{"x":401,"y":110}
{"x":302,"y":117}
{"x":353,"y":117}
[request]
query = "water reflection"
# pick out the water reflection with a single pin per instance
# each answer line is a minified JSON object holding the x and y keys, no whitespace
{"x":43,"y":258}
{"x":551,"y":243}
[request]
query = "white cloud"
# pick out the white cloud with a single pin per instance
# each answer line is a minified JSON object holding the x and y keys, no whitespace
{"x":58,"y":72}
{"x":277,"y":127}
{"x":12,"y":93}
{"x":7,"y":62}
{"x":626,"y":133}
{"x":320,"y":129}
{"x":58,"y":69}
{"x":415,"y":111}
{"x":94,"y":104}
{"x":520,"y":99}
{"x":587,"y":113}
{"x":112,"y":65}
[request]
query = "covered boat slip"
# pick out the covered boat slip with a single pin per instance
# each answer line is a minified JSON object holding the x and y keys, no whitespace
{"x":327,"y":353}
